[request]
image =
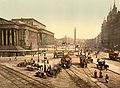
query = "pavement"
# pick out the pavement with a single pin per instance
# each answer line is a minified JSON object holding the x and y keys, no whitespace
{"x":114,"y":66}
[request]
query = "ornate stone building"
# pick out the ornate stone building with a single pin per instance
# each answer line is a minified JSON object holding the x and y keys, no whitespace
{"x":110,"y":30}
{"x":23,"y":35}
{"x":98,"y":42}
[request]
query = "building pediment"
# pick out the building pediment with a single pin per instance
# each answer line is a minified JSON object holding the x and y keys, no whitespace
{"x":3,"y":21}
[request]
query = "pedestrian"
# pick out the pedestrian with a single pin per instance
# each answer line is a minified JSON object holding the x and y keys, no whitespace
{"x":83,"y":63}
{"x":98,"y":60}
{"x":104,"y":63}
{"x":101,"y":66}
{"x":100,"y":74}
{"x":106,"y":78}
{"x":15,"y":57}
{"x":106,"y":67}
{"x":33,"y":57}
{"x":95,"y":74}
{"x":97,"y":53}
{"x":38,"y":60}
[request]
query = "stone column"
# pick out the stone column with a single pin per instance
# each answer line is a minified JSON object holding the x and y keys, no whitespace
{"x":6,"y":37}
{"x":2,"y":37}
{"x":14,"y":37}
{"x":16,"y":33}
{"x":10,"y":37}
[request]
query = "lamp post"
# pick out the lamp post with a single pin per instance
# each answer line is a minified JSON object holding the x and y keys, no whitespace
{"x":45,"y":61}
{"x":38,"y":46}
{"x":38,"y":54}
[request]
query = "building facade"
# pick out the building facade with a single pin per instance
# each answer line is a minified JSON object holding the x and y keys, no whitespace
{"x":97,"y":39}
{"x":110,"y":30}
{"x":21,"y":35}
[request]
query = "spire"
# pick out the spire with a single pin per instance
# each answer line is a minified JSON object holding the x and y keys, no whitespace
{"x":114,"y":10}
{"x":114,"y":6}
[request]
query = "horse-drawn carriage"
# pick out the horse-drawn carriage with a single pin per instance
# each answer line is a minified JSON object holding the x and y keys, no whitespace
{"x":101,"y":65}
{"x":22,"y":64}
{"x":66,"y":61}
{"x":30,"y":65}
{"x":49,"y":71}
{"x":25,"y":63}
{"x":44,"y":68}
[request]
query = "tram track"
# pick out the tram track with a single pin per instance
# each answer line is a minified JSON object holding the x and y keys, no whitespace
{"x":73,"y":71}
{"x":76,"y":79}
{"x":89,"y":75}
{"x":21,"y":80}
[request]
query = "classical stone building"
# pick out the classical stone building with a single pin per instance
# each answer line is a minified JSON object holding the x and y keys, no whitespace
{"x":110,"y":30}
{"x":23,"y":35}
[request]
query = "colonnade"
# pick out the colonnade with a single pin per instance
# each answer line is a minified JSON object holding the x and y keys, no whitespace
{"x":8,"y":37}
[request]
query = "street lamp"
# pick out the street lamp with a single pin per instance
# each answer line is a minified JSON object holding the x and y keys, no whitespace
{"x":45,"y":58}
{"x":38,"y":46}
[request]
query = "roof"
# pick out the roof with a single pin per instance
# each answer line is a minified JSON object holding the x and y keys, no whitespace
{"x":30,"y":19}
{"x":8,"y":22}
{"x":24,"y":24}
{"x":47,"y":31}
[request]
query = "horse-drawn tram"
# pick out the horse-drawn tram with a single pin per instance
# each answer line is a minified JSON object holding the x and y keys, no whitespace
{"x":114,"y":55}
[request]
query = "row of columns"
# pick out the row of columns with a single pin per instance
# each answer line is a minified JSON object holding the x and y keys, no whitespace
{"x":8,"y":37}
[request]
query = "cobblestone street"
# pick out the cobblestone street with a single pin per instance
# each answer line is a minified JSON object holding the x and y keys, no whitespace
{"x":75,"y":77}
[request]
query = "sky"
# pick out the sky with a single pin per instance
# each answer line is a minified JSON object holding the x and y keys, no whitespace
{"x":62,"y":16}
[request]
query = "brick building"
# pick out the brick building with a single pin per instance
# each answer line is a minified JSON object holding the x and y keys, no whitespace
{"x":23,"y":35}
